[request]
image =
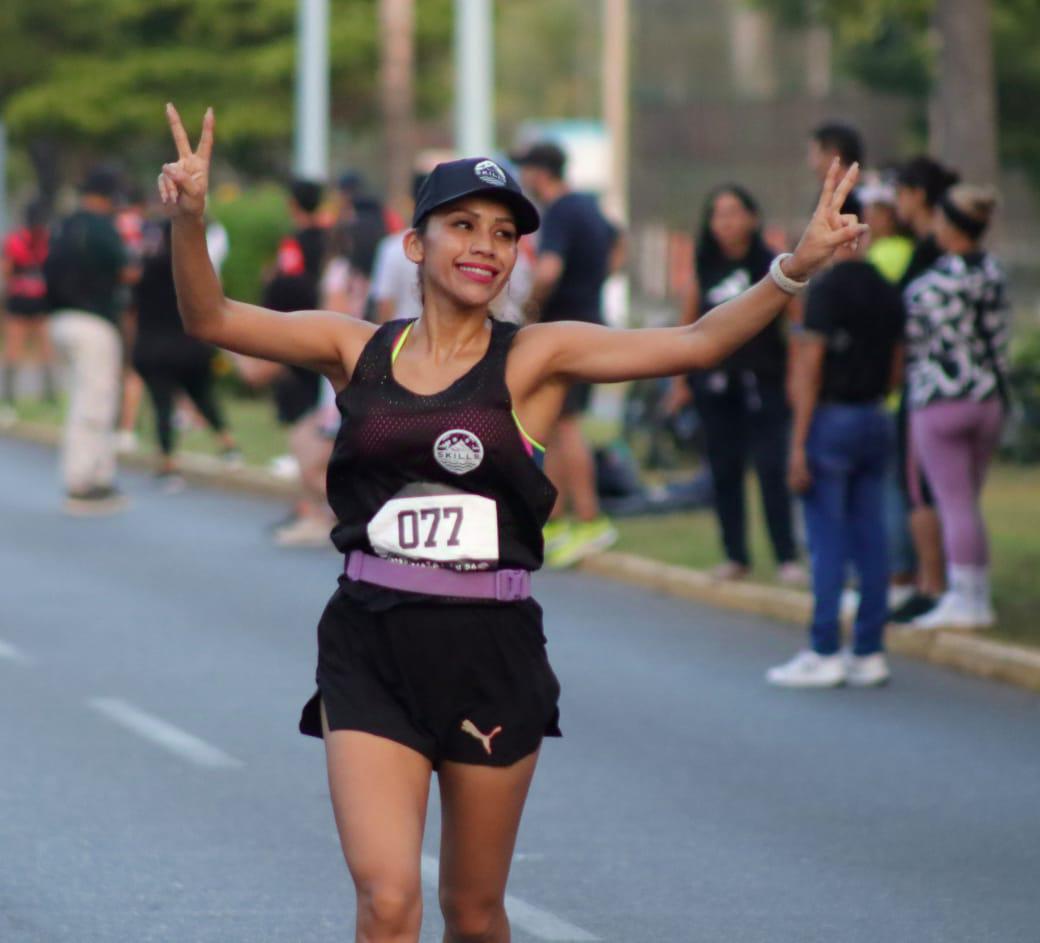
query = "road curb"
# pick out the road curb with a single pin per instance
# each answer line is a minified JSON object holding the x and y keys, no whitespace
{"x":195,"y":468}
{"x":967,"y":653}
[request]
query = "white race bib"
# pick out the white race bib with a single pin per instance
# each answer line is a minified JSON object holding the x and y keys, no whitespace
{"x":442,"y":528}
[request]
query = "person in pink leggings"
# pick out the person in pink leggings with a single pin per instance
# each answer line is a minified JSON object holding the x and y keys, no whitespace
{"x":957,"y":334}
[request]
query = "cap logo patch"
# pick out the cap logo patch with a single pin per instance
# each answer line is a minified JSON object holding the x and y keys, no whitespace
{"x":490,"y":172}
{"x":458,"y":451}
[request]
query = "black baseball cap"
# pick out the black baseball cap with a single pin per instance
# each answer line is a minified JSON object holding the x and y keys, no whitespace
{"x":545,"y":154}
{"x":473,"y":176}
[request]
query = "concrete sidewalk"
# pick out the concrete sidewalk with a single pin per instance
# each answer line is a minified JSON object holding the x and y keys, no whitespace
{"x":971,"y":653}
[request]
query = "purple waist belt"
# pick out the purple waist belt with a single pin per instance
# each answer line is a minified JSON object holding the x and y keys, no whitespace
{"x":503,"y":585}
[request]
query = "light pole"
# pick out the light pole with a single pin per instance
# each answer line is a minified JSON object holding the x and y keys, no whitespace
{"x":474,"y":78}
{"x":311,"y":143}
{"x":615,"y":85}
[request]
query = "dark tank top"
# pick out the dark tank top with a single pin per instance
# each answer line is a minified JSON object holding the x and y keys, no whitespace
{"x":447,"y":480}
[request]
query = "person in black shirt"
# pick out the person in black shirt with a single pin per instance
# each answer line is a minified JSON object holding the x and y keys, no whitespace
{"x":742,"y":402}
{"x":86,"y":270}
{"x":442,"y":504}
{"x":920,"y":185}
{"x":575,"y":249}
{"x":835,"y":140}
{"x":167,"y":359}
{"x":850,"y":357}
{"x":296,"y":286}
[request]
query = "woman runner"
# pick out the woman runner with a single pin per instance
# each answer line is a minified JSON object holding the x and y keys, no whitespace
{"x":442,"y":667}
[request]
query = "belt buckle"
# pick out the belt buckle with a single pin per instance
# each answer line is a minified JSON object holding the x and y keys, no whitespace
{"x":511,"y":585}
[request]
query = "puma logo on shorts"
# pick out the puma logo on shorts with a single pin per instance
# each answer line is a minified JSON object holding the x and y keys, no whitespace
{"x":485,"y":738}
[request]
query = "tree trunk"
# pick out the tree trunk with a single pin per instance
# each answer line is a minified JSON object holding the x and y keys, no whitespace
{"x":45,"y":155}
{"x":397,"y":86}
{"x":963,"y":109}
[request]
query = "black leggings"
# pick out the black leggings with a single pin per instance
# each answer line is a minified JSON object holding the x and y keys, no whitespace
{"x":164,"y":381}
{"x":748,"y":419}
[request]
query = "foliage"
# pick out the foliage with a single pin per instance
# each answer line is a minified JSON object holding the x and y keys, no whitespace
{"x":95,"y":73}
{"x":1022,"y":441}
{"x":255,"y":220}
{"x":555,"y":77}
{"x":886,"y":44}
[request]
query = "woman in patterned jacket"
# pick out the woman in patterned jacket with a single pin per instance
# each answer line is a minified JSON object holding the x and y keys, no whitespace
{"x":957,"y":332}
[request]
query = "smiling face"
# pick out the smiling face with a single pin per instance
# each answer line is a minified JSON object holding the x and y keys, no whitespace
{"x":467,"y":251}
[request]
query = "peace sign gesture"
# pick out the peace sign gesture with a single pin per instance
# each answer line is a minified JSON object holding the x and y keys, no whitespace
{"x":183,"y":184}
{"x":829,"y":229}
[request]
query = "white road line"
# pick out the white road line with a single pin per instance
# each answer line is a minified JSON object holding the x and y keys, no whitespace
{"x":539,"y":923}
{"x":166,"y":735}
{"x":8,"y":651}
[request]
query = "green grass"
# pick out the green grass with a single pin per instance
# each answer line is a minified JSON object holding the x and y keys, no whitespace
{"x":251,"y":420}
{"x":1011,"y":502}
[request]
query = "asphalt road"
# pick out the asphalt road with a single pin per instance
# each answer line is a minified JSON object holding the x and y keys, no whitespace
{"x":153,"y":786}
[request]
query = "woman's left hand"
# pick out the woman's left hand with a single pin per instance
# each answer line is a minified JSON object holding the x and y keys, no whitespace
{"x":829,"y":228}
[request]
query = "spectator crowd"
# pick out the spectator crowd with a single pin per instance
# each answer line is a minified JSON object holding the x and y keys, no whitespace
{"x":870,"y":412}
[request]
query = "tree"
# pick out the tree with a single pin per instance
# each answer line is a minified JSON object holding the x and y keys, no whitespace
{"x":944,"y":48}
{"x":963,"y":114}
{"x":79,"y":77}
{"x":397,"y":26}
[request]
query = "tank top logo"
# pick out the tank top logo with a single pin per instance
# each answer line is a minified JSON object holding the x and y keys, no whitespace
{"x":458,"y":451}
{"x":490,"y":172}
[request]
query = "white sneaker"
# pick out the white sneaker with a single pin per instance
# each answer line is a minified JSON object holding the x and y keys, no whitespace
{"x":953,"y":611}
{"x":865,"y":671}
{"x":792,"y":573}
{"x":285,"y":467}
{"x":985,"y":615}
{"x":730,"y":570}
{"x":126,"y":441}
{"x":898,"y":595}
{"x":305,"y":531}
{"x":809,"y":670}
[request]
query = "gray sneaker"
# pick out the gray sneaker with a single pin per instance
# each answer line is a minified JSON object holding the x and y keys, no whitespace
{"x":95,"y":501}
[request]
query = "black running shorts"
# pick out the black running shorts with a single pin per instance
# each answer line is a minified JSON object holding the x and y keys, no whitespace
{"x":467,"y":683}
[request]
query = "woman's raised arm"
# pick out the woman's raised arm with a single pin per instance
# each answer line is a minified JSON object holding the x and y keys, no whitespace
{"x":330,"y":343}
{"x":591,"y":353}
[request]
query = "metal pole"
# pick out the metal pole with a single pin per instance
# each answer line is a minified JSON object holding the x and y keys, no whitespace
{"x":615,"y":78}
{"x":311,"y":144}
{"x":474,"y":78}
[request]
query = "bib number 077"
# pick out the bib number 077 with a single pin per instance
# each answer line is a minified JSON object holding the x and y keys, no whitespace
{"x":424,"y":526}
{"x":437,"y":528}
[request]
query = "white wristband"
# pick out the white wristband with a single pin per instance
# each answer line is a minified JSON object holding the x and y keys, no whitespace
{"x":784,"y":282}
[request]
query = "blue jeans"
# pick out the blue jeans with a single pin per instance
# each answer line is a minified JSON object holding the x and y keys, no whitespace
{"x":847,"y":451}
{"x":901,"y":558}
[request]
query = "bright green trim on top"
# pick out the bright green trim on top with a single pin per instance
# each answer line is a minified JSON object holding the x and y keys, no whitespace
{"x":400,"y":343}
{"x":538,"y":445}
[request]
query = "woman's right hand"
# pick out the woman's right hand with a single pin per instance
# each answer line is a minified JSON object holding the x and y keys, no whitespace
{"x":799,"y":478}
{"x":184,"y":183}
